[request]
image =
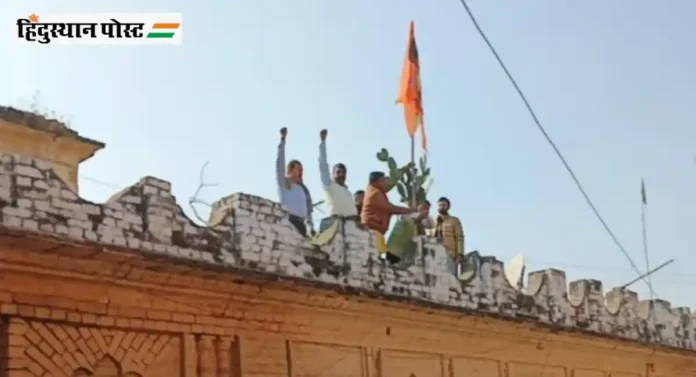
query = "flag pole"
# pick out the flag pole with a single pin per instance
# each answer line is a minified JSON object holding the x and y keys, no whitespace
{"x":414,"y":188}
{"x":644,"y":203}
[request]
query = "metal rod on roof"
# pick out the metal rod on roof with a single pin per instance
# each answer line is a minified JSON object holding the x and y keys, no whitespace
{"x":641,"y":277}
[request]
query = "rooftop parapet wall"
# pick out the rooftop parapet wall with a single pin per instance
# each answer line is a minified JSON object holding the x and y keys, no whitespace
{"x":253,"y":233}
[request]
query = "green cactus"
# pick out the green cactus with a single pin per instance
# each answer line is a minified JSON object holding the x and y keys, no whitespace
{"x":401,"y":189}
{"x":408,"y":180}
{"x":392,"y":165}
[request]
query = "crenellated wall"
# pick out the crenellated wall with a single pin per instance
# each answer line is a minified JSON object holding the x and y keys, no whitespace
{"x":253,"y":234}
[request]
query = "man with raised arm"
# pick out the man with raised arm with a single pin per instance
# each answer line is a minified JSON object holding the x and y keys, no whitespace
{"x":292,"y":192}
{"x":339,"y":200}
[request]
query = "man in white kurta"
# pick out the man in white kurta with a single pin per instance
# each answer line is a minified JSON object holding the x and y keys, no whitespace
{"x":339,"y":200}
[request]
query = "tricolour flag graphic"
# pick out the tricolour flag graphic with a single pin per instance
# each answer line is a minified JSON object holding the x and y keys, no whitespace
{"x":163,"y":30}
{"x":98,"y":28}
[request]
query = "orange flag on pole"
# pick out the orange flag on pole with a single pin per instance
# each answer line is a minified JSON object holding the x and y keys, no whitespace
{"x":410,"y":90}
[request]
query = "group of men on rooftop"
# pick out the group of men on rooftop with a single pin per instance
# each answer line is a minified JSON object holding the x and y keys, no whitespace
{"x":371,"y":206}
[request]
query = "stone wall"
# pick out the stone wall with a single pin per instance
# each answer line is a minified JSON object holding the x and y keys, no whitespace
{"x":253,"y":234}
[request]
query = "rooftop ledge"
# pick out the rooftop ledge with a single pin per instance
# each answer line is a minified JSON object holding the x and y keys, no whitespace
{"x":253,"y":233}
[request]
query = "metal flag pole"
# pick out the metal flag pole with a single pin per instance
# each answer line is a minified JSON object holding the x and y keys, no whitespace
{"x":414,"y":188}
{"x":644,"y":204}
{"x":645,"y":249}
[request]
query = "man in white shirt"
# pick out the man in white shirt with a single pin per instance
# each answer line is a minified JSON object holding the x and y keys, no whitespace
{"x":339,"y":200}
{"x":292,"y":192}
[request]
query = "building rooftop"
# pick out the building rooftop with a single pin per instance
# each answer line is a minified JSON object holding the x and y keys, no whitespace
{"x":41,"y":123}
{"x":249,"y":234}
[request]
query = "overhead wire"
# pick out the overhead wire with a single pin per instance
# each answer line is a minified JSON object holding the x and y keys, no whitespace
{"x":553,"y":145}
{"x":99,"y":182}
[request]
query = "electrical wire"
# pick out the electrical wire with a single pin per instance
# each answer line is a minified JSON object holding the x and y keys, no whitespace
{"x":553,"y":145}
{"x":99,"y":182}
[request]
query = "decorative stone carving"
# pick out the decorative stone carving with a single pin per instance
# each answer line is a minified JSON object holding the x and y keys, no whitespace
{"x":64,"y":350}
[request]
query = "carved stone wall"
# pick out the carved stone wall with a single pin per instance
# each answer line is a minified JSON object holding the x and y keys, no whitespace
{"x":253,"y":233}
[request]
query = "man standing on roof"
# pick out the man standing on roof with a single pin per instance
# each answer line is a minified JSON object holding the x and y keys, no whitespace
{"x":377,"y":211}
{"x":449,"y":230}
{"x":292,"y":192}
{"x":339,"y":200}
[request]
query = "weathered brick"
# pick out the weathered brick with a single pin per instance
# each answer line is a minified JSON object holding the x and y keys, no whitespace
{"x":91,"y":307}
{"x":25,"y":310}
{"x":74,"y":317}
{"x":8,"y":309}
{"x":106,"y":321}
{"x":159,"y":315}
{"x":28,"y":171}
{"x":5,"y":297}
{"x":90,"y":284}
{"x":15,"y":340}
{"x":89,"y":318}
{"x":206,"y":320}
{"x":58,"y":314}
{"x":132,"y":312}
{"x":183,"y":317}
{"x":42,"y":312}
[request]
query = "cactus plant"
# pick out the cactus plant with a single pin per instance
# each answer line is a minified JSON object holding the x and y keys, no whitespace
{"x":408,"y":180}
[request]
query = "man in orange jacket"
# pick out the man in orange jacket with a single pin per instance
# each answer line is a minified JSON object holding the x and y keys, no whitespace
{"x":377,"y":212}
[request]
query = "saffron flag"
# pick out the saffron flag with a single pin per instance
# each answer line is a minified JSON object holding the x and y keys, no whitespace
{"x":643,"y":195}
{"x":410,"y":90}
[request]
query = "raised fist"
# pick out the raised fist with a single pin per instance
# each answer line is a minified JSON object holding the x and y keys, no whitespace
{"x":323,"y":134}
{"x":283,"y":133}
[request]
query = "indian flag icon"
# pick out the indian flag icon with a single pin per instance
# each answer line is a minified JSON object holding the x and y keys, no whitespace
{"x":102,"y":29}
{"x":163,"y":30}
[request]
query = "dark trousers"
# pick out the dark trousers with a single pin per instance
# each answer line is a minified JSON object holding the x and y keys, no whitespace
{"x":300,"y":224}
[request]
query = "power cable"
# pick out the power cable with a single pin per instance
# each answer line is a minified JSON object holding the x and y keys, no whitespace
{"x":99,"y":182}
{"x":553,"y":145}
{"x":556,"y":264}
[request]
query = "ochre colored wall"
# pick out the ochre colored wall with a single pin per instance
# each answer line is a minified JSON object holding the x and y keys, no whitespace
{"x":63,"y":154}
{"x":75,"y":311}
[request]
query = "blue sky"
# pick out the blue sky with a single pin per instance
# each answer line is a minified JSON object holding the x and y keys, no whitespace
{"x":611,"y":81}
